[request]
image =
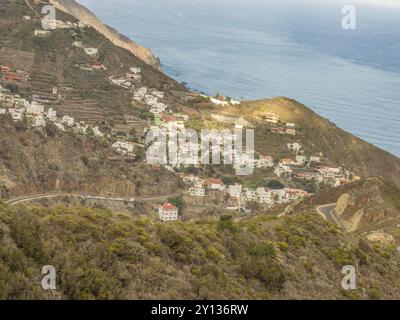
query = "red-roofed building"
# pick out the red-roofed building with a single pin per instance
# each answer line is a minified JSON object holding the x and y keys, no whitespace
{"x":12,"y":76}
{"x":168,"y":212}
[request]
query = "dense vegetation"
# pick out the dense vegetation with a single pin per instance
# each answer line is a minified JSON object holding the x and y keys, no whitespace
{"x":103,"y":255}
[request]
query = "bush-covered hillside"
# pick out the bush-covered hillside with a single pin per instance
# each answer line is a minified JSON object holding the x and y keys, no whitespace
{"x":103,"y":255}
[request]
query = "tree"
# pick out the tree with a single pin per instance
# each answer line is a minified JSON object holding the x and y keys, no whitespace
{"x":12,"y":87}
{"x":51,"y":129}
{"x":178,"y":202}
{"x":275,"y":184}
{"x":311,"y":187}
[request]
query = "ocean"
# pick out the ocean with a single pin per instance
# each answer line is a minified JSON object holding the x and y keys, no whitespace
{"x":258,"y":49}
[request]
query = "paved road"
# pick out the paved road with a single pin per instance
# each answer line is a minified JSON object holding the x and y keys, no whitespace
{"x":29,"y":198}
{"x":328,"y":212}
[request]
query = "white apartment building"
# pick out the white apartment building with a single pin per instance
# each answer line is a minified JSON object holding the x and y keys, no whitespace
{"x":168,"y":212}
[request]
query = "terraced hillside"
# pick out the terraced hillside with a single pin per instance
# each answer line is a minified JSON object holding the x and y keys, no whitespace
{"x":52,"y":62}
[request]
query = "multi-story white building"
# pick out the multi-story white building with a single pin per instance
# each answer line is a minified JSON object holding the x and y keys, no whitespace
{"x":158,"y":94}
{"x":168,"y":212}
{"x":264,"y":195}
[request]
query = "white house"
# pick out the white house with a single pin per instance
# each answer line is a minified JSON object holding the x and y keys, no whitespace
{"x":151,"y":100}
{"x":35,"y":108}
{"x":315,"y":159}
{"x":135,"y":70}
{"x":3,"y":110}
{"x":271,"y":117}
{"x":330,"y":172}
{"x":139,"y":94}
{"x":219,"y":102}
{"x":168,"y":212}
{"x":41,"y":33}
{"x":51,"y":114}
{"x":214,"y":184}
{"x":97,"y":132}
{"x":249,"y":194}
{"x":295,"y":146}
{"x":264,"y":162}
{"x":291,"y":131}
{"x":16,"y":114}
{"x":91,"y":51}
{"x":60,"y":126}
{"x":69,"y":121}
{"x":301,"y":159}
{"x":235,"y":190}
{"x":124,"y":148}
{"x":197,"y":192}
{"x":264,"y":195}
{"x":281,"y":170}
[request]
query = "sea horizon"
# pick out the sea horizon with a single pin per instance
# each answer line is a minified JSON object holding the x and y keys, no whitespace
{"x":299,"y":52}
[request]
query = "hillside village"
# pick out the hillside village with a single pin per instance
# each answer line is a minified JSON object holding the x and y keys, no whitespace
{"x":37,"y":112}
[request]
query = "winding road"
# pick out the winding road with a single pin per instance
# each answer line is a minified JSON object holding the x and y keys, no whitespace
{"x":23,"y":199}
{"x":328,"y":212}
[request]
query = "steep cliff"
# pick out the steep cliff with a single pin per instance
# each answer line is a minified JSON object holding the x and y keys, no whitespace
{"x":87,"y":17}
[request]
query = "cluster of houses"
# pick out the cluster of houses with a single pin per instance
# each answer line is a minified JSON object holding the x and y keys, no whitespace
{"x":279,"y":128}
{"x":93,"y":64}
{"x":238,"y":196}
{"x":10,"y":74}
{"x":128,"y":81}
{"x":38,"y":115}
{"x":300,"y":169}
{"x":54,"y":24}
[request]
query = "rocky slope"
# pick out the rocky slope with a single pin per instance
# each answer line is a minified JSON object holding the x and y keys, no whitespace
{"x":33,"y":163}
{"x":86,"y":16}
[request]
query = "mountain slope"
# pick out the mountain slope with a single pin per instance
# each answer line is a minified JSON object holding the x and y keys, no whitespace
{"x":317,"y":135}
{"x":103,"y":255}
{"x":86,"y":16}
